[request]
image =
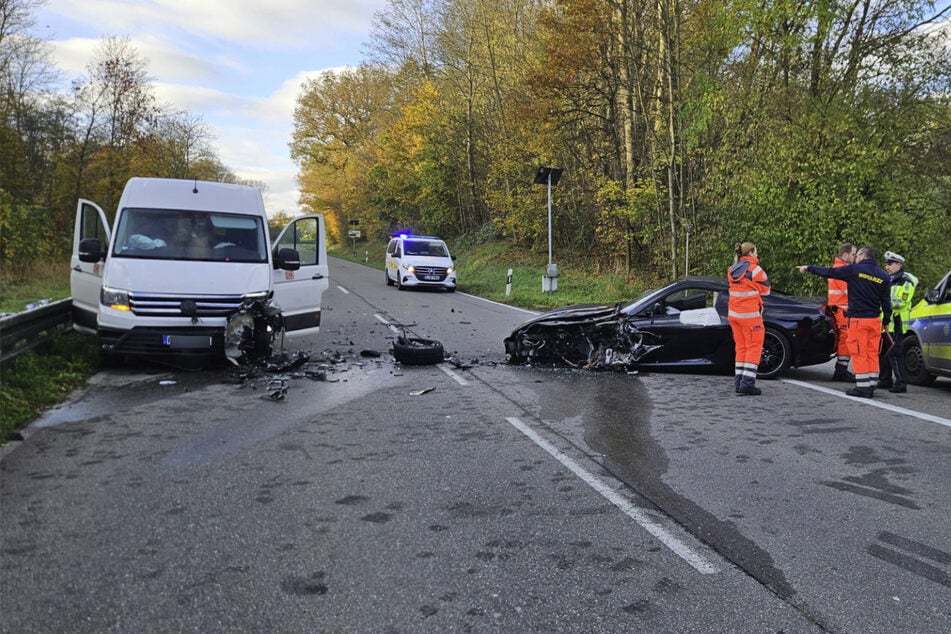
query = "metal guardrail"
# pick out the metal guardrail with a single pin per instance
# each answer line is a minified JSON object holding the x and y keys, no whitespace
{"x":29,"y":329}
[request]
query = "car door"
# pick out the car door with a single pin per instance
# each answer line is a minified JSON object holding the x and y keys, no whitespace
{"x":85,"y":278}
{"x":689,"y":328}
{"x":298,"y":293}
{"x":935,"y":337}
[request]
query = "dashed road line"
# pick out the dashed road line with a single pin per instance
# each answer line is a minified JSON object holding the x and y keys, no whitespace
{"x":455,"y":377}
{"x":343,"y":289}
{"x":867,"y":401}
{"x":380,"y":318}
{"x":695,"y":559}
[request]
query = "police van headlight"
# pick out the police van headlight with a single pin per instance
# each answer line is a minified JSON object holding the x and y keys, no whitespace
{"x":450,"y":270}
{"x":410,"y":268}
{"x":114,"y":298}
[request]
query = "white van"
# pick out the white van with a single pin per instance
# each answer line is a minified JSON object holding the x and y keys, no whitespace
{"x":182,"y":257}
{"x":419,"y":261}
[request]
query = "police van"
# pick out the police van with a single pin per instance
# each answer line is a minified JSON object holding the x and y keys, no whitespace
{"x":419,"y":261}
{"x":181,"y":258}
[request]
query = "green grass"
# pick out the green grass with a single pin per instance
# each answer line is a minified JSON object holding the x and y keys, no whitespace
{"x":19,"y":288}
{"x":35,"y":381}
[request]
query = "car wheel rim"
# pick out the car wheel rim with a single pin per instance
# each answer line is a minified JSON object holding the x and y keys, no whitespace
{"x":773,"y":355}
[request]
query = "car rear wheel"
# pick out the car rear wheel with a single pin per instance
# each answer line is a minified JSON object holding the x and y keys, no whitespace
{"x":915,"y":371}
{"x":777,"y":355}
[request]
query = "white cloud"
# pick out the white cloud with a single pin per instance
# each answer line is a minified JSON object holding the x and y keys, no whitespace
{"x":238,"y":64}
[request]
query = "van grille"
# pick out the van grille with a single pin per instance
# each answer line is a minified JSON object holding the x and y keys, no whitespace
{"x":154,"y":305}
{"x":430,"y":273}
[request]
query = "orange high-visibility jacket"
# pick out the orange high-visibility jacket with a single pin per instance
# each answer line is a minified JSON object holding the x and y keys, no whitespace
{"x":748,"y":282}
{"x":838,"y":289}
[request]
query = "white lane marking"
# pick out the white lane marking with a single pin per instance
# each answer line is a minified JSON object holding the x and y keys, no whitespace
{"x":891,"y":408}
{"x":343,"y":289}
{"x":524,"y":310}
{"x":380,"y":318}
{"x":455,"y":377}
{"x":662,"y":534}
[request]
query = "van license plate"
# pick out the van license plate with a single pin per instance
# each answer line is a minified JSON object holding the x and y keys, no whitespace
{"x":186,"y":341}
{"x":434,"y":278}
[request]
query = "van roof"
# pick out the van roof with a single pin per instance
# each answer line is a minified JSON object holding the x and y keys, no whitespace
{"x":176,"y":193}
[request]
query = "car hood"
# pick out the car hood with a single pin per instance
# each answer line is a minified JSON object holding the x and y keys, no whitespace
{"x":572,"y":314}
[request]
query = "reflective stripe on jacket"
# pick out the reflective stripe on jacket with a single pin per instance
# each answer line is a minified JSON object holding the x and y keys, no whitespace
{"x":838,"y":289}
{"x":748,"y":282}
{"x":902,"y":294}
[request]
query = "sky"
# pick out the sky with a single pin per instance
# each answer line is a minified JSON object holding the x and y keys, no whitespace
{"x":239,"y":64}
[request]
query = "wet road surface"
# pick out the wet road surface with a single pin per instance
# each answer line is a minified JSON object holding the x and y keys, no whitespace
{"x":502,"y":499}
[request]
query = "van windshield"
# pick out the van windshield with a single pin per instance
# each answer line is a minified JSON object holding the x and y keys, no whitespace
{"x":177,"y":234}
{"x":425,"y":247}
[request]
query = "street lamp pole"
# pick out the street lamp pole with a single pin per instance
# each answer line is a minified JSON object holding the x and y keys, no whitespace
{"x":550,"y":176}
{"x":687,"y":254}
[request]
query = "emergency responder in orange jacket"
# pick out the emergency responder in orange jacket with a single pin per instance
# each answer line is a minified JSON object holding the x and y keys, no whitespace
{"x":869,"y":312}
{"x":839,"y":298}
{"x":748,"y":283}
{"x":902,"y":293}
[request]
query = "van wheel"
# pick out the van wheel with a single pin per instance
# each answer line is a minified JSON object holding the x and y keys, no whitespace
{"x":399,"y":284}
{"x":410,"y":351}
{"x":389,"y":282}
{"x":915,"y":371}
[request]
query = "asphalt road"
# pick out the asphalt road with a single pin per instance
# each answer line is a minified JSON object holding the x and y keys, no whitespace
{"x":473,"y":496}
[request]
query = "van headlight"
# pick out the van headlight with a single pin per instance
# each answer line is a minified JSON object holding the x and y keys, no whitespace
{"x":450,"y":270}
{"x":114,"y":298}
{"x":410,"y":268}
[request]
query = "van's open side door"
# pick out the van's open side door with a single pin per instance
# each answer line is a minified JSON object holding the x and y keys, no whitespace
{"x":85,"y":278}
{"x":298,"y":292}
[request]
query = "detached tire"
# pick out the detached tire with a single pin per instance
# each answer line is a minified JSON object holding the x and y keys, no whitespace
{"x":409,"y":351}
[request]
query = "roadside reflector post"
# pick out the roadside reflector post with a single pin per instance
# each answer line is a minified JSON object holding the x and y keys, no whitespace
{"x":508,"y":283}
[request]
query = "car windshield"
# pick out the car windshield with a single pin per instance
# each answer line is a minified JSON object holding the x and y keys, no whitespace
{"x":178,"y":234}
{"x":425,"y":247}
{"x":635,"y":305}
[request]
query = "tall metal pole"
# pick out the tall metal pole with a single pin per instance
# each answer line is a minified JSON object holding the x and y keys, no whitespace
{"x":549,"y":217}
{"x":687,"y":254}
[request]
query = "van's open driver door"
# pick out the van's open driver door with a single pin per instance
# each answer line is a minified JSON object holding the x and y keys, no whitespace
{"x":85,"y":278}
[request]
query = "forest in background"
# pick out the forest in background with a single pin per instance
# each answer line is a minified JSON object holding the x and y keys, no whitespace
{"x":796,"y":125}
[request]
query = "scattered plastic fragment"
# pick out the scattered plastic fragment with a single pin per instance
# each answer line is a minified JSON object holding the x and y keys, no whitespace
{"x":422,"y":391}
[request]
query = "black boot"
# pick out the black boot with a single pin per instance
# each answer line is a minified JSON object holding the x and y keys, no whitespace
{"x":861,"y":392}
{"x":748,"y":387}
{"x":842,"y":374}
{"x":898,"y":388}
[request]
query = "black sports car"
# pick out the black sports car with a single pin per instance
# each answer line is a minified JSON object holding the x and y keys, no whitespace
{"x":680,"y":326}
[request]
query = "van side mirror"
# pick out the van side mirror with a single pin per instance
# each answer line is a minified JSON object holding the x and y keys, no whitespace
{"x":933,"y":295}
{"x":287,"y":259}
{"x":453,"y":258}
{"x":90,"y":250}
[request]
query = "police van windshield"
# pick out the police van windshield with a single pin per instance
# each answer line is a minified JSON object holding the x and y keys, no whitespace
{"x":425,"y":247}
{"x":176,"y":234}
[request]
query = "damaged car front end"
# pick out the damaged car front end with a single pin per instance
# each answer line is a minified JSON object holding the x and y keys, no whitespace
{"x":587,"y":337}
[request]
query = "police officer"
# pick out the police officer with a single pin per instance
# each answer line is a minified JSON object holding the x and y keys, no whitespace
{"x":902,"y":292}
{"x":869,"y":312}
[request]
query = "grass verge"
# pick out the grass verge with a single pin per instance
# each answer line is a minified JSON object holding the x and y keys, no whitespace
{"x":37,"y":380}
